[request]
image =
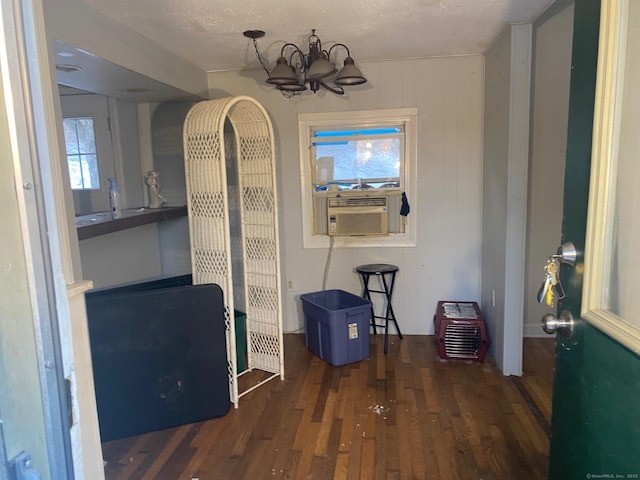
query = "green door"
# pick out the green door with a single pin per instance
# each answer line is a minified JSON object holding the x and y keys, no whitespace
{"x":596,"y":405}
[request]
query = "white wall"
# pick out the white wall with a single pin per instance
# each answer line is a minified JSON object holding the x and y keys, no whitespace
{"x":166,"y":248}
{"x":122,"y":257}
{"x":21,"y":413}
{"x":506,"y":160}
{"x":550,"y":105}
{"x":76,"y":24}
{"x":126,"y":149}
{"x":495,"y":179}
{"x":448,"y":93}
{"x":155,"y":250}
{"x":166,"y":121}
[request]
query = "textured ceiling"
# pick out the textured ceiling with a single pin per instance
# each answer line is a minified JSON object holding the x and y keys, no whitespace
{"x":208,"y":33}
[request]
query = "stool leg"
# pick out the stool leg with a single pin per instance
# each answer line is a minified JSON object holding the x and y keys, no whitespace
{"x":386,"y":335}
{"x":366,"y":294}
{"x":389,"y":314}
{"x":395,"y":322}
{"x":387,"y":295}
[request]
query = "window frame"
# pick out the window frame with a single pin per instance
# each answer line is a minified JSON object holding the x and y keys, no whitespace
{"x":308,"y":122}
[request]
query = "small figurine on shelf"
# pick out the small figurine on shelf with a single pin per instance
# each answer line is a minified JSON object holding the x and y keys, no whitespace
{"x":152,"y":180}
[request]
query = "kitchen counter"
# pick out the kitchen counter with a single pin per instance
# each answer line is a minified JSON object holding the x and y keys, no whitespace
{"x":101,"y":223}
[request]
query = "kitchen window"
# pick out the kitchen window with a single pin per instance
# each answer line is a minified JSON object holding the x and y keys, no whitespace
{"x":90,"y":156}
{"x":82,"y":156}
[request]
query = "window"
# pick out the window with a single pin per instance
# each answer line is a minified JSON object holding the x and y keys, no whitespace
{"x":82,"y":157}
{"x":357,"y":158}
{"x":90,"y":154}
{"x":352,"y":156}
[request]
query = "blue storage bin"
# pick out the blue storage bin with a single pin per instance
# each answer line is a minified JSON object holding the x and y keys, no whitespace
{"x":337,"y":325}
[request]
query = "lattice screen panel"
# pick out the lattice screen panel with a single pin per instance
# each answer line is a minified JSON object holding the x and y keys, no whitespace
{"x":214,"y":244}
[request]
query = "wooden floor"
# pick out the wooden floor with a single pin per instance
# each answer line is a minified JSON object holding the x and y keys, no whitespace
{"x":404,"y":415}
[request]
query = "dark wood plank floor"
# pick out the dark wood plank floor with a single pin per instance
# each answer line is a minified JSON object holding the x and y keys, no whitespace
{"x":404,"y":415}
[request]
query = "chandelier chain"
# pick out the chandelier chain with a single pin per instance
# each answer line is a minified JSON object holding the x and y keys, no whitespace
{"x":259,"y":57}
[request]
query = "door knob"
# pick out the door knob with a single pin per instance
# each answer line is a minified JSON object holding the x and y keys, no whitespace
{"x":567,"y":253}
{"x":565,"y":324}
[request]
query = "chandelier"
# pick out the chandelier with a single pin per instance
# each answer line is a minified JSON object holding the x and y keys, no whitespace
{"x":296,"y":69}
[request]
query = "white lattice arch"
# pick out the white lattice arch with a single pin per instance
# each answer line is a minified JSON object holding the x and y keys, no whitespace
{"x":206,"y":153}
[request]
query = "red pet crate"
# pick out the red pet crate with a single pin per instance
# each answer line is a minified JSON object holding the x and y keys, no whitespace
{"x":461,"y":332}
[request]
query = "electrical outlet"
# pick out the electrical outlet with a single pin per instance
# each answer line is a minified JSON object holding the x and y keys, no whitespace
{"x":290,"y":284}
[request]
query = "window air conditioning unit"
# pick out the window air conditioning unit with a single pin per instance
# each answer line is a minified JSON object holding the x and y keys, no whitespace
{"x":357,"y":215}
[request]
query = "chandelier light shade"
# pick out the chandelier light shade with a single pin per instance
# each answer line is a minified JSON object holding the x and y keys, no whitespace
{"x":349,"y":74}
{"x":282,"y":74}
{"x":295,"y":70}
{"x":320,"y":68}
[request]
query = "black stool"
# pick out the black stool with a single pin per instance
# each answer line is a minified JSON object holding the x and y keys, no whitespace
{"x":381,"y":270}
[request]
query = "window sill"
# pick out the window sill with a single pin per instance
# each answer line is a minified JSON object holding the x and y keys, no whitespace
{"x":358,"y":241}
{"x":369,"y":192}
{"x":96,"y":224}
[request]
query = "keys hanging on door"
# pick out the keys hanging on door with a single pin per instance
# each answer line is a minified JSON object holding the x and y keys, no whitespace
{"x":552,"y":287}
